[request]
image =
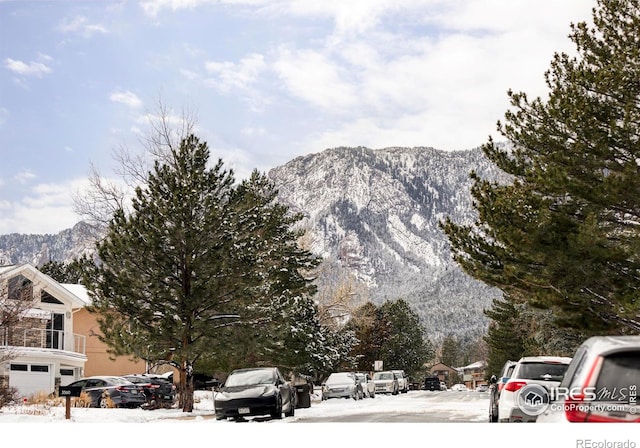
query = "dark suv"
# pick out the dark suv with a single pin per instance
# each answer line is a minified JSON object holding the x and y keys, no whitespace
{"x":497,"y":383}
{"x":159,"y":391}
{"x":431,"y":383}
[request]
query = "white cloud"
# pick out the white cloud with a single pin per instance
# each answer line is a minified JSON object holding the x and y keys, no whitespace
{"x":33,"y":68}
{"x":228,"y":75}
{"x":127,"y":98}
{"x":46,"y":208}
{"x":24,"y":176}
{"x":153,"y":7}
{"x":313,"y":77}
{"x":81,"y":25}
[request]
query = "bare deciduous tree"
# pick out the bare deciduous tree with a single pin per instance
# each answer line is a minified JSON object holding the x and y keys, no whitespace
{"x":106,"y":195}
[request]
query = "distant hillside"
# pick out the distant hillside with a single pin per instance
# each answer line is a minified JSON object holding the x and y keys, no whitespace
{"x":374,"y":211}
{"x":378,"y":212}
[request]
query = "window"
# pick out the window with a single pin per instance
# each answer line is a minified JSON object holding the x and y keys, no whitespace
{"x":39,"y":368}
{"x":19,"y":367}
{"x":620,"y":372}
{"x":20,"y":288}
{"x":45,"y":297}
{"x":66,"y":372}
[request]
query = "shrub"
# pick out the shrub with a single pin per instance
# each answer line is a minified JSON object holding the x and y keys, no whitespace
{"x":8,"y":395}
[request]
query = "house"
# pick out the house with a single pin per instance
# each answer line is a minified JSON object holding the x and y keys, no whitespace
{"x":55,"y":341}
{"x":474,"y":374}
{"x":445,"y":374}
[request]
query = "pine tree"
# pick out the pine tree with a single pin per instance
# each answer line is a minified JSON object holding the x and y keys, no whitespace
{"x":71,"y":272}
{"x":504,"y":337}
{"x":198,"y":262}
{"x":406,"y":347}
{"x":564,"y":234}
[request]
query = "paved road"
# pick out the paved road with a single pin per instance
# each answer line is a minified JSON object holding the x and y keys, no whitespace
{"x":413,"y":407}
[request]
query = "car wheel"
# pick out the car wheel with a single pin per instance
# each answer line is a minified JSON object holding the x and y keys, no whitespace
{"x":103,"y":403}
{"x":292,"y":410}
{"x":277,"y":414}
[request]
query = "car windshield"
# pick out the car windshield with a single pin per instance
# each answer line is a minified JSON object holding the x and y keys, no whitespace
{"x":340,"y":378}
{"x":542,"y":371}
{"x":383,"y":376}
{"x":249,"y":378}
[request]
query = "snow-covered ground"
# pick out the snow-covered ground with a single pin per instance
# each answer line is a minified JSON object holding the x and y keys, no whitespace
{"x":106,"y":427}
{"x":474,"y":410}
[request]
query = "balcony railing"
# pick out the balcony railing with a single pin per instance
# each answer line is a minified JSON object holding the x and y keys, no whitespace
{"x":41,"y":338}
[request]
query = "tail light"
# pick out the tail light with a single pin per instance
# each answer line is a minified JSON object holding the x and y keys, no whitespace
{"x":578,"y":410}
{"x":513,"y":386}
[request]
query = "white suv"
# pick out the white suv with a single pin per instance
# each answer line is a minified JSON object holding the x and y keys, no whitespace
{"x":529,"y":388}
{"x":403,"y":381}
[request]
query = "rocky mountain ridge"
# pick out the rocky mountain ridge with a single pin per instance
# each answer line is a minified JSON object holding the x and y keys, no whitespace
{"x":375,"y":212}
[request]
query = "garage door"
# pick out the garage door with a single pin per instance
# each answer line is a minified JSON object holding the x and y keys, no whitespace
{"x":30,"y":379}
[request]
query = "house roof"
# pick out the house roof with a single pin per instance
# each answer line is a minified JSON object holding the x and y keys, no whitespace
{"x":80,"y":291}
{"x":475,"y":365}
{"x":74,"y":296}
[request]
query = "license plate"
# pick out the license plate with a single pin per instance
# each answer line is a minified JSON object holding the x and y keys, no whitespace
{"x":243,"y":410}
{"x":134,"y":391}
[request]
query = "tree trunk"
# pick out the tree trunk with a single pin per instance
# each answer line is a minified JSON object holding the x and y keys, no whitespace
{"x":186,"y":387}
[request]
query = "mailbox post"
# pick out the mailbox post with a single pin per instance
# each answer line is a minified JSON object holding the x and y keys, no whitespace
{"x":68,"y":392}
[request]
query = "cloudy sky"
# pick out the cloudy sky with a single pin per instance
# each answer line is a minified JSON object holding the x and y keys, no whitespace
{"x":266,"y":80}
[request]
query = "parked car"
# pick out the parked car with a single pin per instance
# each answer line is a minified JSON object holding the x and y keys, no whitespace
{"x":459,"y":387}
{"x":111,"y":391}
{"x":431,"y":383}
{"x":533,"y":377}
{"x":159,"y":391}
{"x":386,"y":382}
{"x":403,"y":381}
{"x":255,"y":392}
{"x":482,"y":388}
{"x":600,"y":384}
{"x":342,"y":385}
{"x":496,"y":385}
{"x":368,"y":386}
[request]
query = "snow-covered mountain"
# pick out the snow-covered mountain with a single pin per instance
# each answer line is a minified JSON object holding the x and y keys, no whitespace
{"x":376,"y":212}
{"x":40,"y":249}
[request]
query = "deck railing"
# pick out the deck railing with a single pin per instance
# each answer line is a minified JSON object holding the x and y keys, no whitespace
{"x":41,"y":338}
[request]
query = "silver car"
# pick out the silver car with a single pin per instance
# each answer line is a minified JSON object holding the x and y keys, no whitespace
{"x":342,"y":385}
{"x":368,"y":386}
{"x":600,"y":385}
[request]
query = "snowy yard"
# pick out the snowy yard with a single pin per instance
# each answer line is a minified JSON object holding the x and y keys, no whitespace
{"x":104,"y":427}
{"x":412,"y":402}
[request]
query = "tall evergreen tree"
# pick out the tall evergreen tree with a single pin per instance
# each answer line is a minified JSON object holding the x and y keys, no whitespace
{"x":504,"y":337}
{"x":406,"y":347}
{"x":196,"y":257}
{"x":564,"y":234}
